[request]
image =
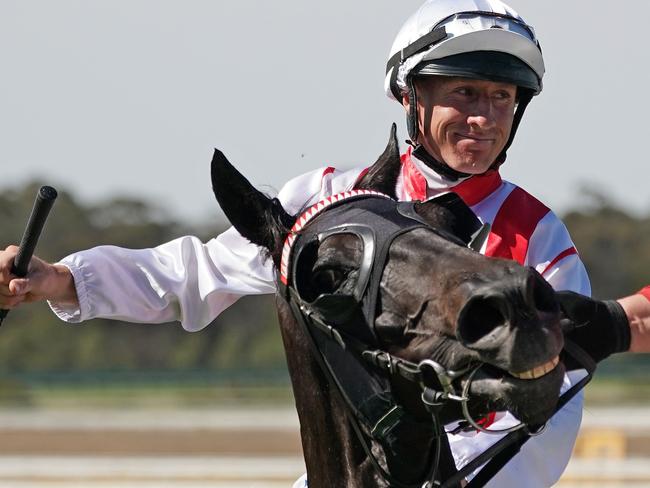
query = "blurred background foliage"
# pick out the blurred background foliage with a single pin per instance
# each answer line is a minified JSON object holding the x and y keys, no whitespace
{"x":39,"y":353}
{"x":41,"y":356}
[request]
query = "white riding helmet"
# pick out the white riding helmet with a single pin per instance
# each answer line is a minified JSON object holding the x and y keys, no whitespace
{"x":481,"y":39}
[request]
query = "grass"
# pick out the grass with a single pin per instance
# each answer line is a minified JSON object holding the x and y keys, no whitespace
{"x":148,"y":397}
{"x":145,"y":390}
{"x":615,"y":392}
{"x":209,"y":390}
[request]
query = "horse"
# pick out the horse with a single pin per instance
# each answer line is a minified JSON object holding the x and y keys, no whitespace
{"x":393,"y":326}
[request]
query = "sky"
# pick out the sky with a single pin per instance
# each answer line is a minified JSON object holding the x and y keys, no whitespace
{"x":129,"y":97}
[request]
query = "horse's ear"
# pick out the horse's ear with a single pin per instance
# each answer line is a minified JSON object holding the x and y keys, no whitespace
{"x":451,"y":213}
{"x":382,"y":176}
{"x":258,"y":218}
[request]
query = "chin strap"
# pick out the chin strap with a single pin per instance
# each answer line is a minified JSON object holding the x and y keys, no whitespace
{"x":440,"y":168}
{"x":524,"y":97}
{"x":412,"y":115}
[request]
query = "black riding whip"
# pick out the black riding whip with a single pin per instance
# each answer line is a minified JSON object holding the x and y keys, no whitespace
{"x":42,"y":205}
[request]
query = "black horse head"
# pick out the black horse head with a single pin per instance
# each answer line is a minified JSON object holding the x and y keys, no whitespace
{"x":427,"y":298}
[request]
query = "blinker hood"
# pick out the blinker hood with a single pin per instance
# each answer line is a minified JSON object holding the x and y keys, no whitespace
{"x":376,"y":222}
{"x":351,"y":312}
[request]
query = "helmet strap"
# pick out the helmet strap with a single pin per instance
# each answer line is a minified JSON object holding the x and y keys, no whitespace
{"x":412,"y":116}
{"x":441,"y":168}
{"x":418,"y":150}
{"x":525,"y":96}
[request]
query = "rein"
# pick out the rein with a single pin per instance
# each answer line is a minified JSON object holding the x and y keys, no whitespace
{"x":391,"y":415}
{"x":371,"y":403}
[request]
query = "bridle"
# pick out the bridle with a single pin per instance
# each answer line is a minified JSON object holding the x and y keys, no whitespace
{"x":340,"y":329}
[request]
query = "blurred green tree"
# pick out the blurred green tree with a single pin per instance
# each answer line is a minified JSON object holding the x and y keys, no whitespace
{"x":612,"y":243}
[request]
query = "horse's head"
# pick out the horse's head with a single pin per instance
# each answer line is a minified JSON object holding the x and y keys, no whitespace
{"x":441,"y":300}
{"x":400,"y":278}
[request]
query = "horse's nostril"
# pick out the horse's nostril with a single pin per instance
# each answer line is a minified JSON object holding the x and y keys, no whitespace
{"x":480,"y":316}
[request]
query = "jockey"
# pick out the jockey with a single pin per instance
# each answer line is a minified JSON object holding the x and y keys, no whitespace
{"x":465,"y":71}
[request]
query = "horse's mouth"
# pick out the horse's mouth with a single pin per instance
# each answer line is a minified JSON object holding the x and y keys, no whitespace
{"x":538,"y":371}
{"x":529,"y":395}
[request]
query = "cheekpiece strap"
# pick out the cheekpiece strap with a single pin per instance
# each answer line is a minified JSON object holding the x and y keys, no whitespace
{"x":393,"y":366}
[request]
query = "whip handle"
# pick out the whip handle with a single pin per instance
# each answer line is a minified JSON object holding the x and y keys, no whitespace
{"x":42,"y":206}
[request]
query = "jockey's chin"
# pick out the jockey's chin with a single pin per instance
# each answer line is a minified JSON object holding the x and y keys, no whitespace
{"x":469,"y":155}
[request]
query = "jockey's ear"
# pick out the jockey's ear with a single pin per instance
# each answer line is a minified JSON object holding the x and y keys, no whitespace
{"x":382,"y":176}
{"x":258,"y":218}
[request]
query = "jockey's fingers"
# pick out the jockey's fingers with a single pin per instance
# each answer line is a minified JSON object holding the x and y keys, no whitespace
{"x":15,"y":293}
{"x":12,"y":249}
{"x":17,"y":286}
{"x":20,"y":286}
{"x":6,"y":263}
{"x":8,"y":303}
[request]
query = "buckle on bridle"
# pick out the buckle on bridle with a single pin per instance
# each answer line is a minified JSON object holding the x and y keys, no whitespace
{"x":379,"y":359}
{"x":434,"y":399}
{"x":432,"y":371}
{"x":471,"y":420}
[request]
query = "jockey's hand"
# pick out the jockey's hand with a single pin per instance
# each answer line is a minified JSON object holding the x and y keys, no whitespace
{"x":601,"y":328}
{"x":44,"y":281}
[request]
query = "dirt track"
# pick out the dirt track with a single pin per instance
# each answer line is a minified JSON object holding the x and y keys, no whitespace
{"x":241,"y":448}
{"x":225,"y":442}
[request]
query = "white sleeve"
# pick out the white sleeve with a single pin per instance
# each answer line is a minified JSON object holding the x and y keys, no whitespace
{"x":543,"y":458}
{"x":184,"y":279}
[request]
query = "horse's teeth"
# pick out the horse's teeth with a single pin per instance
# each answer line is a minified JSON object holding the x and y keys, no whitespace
{"x":539,"y":371}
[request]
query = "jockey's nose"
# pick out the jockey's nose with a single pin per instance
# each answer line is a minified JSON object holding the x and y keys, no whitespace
{"x":482,"y":114}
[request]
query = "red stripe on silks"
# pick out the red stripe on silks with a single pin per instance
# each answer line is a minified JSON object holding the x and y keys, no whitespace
{"x":488,"y":420}
{"x":513,"y":225}
{"x":475,"y":189}
{"x":567,"y":252}
{"x":363,"y":173}
{"x":328,"y":171}
{"x":414,"y":183}
{"x":645,"y":291}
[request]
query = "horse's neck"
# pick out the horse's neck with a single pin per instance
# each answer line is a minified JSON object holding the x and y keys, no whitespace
{"x":332,"y":453}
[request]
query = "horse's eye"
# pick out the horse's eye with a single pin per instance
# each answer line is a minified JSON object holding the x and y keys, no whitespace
{"x":390,"y":327}
{"x":328,"y":280}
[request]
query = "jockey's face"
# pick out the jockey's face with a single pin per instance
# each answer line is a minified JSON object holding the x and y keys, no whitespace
{"x":462,"y":122}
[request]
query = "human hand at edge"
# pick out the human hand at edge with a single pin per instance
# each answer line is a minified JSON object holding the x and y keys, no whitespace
{"x":44,"y":281}
{"x":600,"y":327}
